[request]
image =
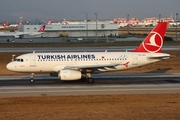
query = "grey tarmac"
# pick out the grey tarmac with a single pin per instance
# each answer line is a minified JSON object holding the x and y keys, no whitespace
{"x":145,"y":83}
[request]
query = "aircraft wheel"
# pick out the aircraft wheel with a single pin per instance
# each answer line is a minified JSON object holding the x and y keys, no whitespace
{"x":31,"y":80}
{"x":90,"y":80}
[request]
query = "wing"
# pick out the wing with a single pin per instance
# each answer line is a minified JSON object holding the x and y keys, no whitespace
{"x":90,"y":66}
{"x":101,"y":68}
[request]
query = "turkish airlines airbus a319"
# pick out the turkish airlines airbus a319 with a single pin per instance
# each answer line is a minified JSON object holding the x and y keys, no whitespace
{"x":78,"y":65}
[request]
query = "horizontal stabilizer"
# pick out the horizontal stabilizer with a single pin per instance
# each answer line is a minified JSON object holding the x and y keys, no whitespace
{"x":160,"y":57}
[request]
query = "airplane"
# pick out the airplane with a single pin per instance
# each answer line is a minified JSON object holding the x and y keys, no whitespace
{"x":122,"y":25}
{"x":53,"y":23}
{"x":16,"y":25}
{"x":65,"y":22}
{"x":5,"y":24}
{"x":79,"y":65}
{"x":174,"y":23}
{"x":49,"y":22}
{"x":21,"y":34}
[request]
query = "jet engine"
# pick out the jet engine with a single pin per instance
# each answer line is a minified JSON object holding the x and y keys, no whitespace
{"x":69,"y":75}
{"x":17,"y":36}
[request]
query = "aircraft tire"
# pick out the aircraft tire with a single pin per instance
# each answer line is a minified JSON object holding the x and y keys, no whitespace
{"x":90,"y":80}
{"x":31,"y":80}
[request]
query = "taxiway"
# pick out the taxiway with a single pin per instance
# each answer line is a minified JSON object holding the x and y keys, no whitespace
{"x":80,"y":49}
{"x":145,"y":83}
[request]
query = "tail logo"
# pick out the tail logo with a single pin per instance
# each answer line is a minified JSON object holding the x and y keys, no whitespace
{"x":153,"y":43}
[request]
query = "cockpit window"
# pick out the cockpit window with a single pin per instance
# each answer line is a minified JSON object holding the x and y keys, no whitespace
{"x":19,"y":60}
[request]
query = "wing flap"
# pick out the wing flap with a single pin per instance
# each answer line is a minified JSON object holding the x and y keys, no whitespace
{"x":90,"y":66}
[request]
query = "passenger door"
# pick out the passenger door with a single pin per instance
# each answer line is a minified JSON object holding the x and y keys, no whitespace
{"x":32,"y":60}
{"x":135,"y":59}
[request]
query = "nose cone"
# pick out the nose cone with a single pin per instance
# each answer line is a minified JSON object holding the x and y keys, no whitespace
{"x":10,"y":67}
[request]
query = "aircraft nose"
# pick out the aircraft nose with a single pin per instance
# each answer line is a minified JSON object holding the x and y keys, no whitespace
{"x":9,"y":66}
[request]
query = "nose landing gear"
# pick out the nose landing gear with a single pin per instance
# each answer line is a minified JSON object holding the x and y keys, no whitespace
{"x":32,"y":78}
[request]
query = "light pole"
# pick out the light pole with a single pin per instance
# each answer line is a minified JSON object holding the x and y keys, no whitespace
{"x":96,"y":27}
{"x":127,"y":24}
{"x":86,"y":26}
{"x":159,"y":17}
{"x":176,"y":25}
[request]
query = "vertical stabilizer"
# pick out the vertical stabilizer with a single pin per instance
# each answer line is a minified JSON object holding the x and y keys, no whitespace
{"x":42,"y":28}
{"x":154,"y":41}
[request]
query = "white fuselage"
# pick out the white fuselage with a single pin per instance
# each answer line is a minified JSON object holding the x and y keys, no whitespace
{"x":18,"y":34}
{"x":102,"y":61}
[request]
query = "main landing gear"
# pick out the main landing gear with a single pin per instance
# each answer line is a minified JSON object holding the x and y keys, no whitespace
{"x":32,"y":78}
{"x":89,"y":78}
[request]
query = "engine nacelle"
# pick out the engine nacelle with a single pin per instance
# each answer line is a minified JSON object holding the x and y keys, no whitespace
{"x":69,"y":75}
{"x":17,"y":36}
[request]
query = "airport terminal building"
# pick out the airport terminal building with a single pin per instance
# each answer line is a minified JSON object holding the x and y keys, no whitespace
{"x":74,"y":30}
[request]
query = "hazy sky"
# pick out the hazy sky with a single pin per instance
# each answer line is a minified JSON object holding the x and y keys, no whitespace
{"x":56,"y":10}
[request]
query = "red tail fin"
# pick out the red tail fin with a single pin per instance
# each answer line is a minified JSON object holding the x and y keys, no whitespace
{"x":5,"y":23}
{"x":42,"y":28}
{"x":49,"y":22}
{"x":154,"y":41}
{"x":20,"y":23}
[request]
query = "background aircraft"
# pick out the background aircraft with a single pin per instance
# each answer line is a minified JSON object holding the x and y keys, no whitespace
{"x":21,"y":34}
{"x":5,"y":24}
